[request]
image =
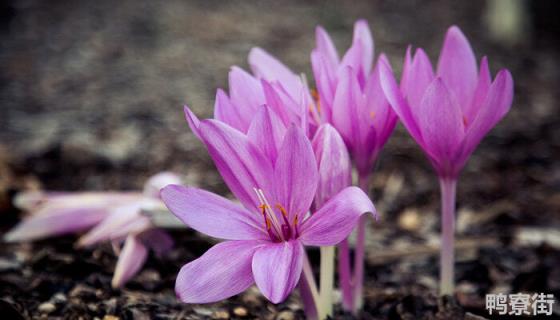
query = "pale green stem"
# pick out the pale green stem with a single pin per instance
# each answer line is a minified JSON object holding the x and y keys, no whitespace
{"x":326,"y":282}
{"x":447,"y":283}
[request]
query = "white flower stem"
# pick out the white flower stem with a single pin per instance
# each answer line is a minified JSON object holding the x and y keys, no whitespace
{"x":326,"y":282}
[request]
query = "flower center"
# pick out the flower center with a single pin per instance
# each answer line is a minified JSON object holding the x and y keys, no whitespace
{"x":277,"y":221}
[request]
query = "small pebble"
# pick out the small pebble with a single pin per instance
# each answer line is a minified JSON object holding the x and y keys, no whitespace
{"x":110,"y":317}
{"x":220,"y":315}
{"x":47,"y":307}
{"x":285,"y":315}
{"x":240,"y":311}
{"x":410,"y":220}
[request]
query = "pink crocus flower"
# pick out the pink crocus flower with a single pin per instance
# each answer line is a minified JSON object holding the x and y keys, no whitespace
{"x":448,"y":112}
{"x":265,"y":237}
{"x":109,"y":216}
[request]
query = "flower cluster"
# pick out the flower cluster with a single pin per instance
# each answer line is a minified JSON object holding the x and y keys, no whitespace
{"x":286,"y":151}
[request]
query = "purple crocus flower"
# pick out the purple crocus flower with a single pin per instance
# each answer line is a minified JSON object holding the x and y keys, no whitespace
{"x":350,"y":96}
{"x":266,"y":236}
{"x":448,"y":113}
{"x":109,"y":216}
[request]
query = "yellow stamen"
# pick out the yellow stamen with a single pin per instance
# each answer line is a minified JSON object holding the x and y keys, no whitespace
{"x":295,"y":220}
{"x":284,"y":213}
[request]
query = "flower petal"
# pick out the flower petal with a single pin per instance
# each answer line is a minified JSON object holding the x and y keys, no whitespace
{"x":267,"y":132}
{"x":242,"y":165}
{"x":296,"y":173}
{"x":334,"y":221}
{"x":482,"y":87}
{"x":362,"y":34}
{"x":495,"y":107}
{"x":277,"y":268}
{"x":269,"y":68}
{"x":131,"y":259}
{"x":457,"y":66}
{"x":226,"y":112}
{"x":192,"y":120}
{"x":245,"y":94}
{"x":335,"y":168}
{"x":441,"y":121}
{"x":347,"y":102}
{"x":211,"y":214}
{"x":222,"y":272}
{"x":397,"y":101}
{"x":326,"y":48}
{"x":419,"y":77}
{"x":62,"y":221}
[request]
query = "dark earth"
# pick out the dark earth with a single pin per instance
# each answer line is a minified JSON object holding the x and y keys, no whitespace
{"x":91,"y":95}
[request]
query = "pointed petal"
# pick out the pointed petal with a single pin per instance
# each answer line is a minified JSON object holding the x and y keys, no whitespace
{"x":495,"y":107}
{"x":325,"y":80}
{"x":277,"y":268}
{"x":363,"y":34}
{"x":242,"y":165}
{"x":457,"y":66}
{"x":296,"y":173}
{"x":269,"y":68}
{"x":122,"y":221}
{"x":58,"y":222}
{"x":193,"y":121}
{"x":211,"y":214}
{"x":335,"y":168}
{"x":420,"y":76}
{"x":245,"y":94}
{"x":397,"y":101}
{"x":334,"y":221}
{"x":131,"y":260}
{"x":347,"y":101}
{"x":326,"y":48}
{"x":267,"y":132}
{"x":482,"y":87}
{"x":226,"y":112}
{"x":156,"y":182}
{"x":222,"y":272}
{"x":407,"y":66}
{"x":441,"y":121}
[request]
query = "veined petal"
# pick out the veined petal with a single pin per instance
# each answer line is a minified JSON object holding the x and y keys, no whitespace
{"x":325,"y":80}
{"x":268,"y":67}
{"x":457,"y":66}
{"x":122,"y":221}
{"x":334,"y":221}
{"x":482,"y":87}
{"x":495,"y":107}
{"x":193,"y":121}
{"x":362,"y":34}
{"x":267,"y":132}
{"x":242,"y":165}
{"x":419,"y":77}
{"x":228,"y":113}
{"x":211,"y":214}
{"x":156,"y":182}
{"x":347,"y":101}
{"x":326,"y":48}
{"x":441,"y":121}
{"x":397,"y":101}
{"x":131,"y":260}
{"x":245,"y":94}
{"x":55,"y":223}
{"x":222,"y":272}
{"x":277,"y":268}
{"x":335,"y":168}
{"x":296,"y":173}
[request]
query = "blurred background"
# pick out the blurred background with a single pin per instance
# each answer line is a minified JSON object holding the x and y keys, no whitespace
{"x":91,"y":97}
